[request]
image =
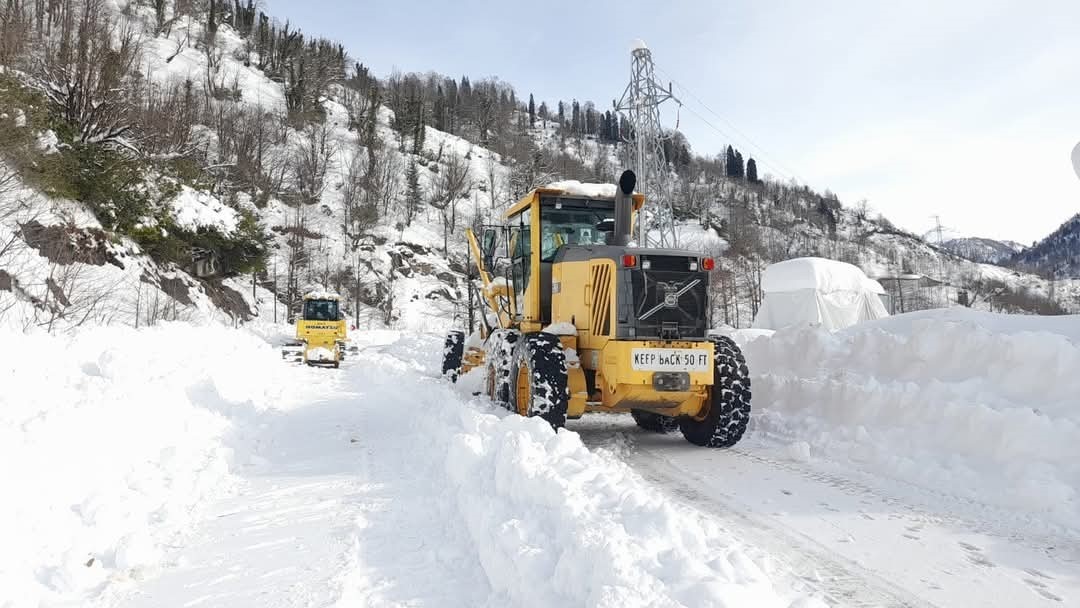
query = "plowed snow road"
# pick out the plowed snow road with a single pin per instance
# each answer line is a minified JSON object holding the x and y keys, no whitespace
{"x":861,"y":539}
{"x":392,"y":488}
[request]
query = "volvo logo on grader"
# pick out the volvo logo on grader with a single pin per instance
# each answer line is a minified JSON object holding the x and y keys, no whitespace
{"x":634,"y":348}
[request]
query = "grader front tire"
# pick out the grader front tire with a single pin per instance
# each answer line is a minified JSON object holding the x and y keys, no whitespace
{"x":453,"y":351}
{"x":498,"y":358}
{"x":540,"y":379}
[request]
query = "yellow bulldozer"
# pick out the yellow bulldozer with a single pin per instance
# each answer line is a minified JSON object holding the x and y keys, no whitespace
{"x":320,"y":331}
{"x":581,"y":320}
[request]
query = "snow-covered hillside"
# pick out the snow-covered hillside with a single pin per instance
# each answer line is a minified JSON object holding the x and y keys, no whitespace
{"x":332,"y":190}
{"x":1057,"y":255}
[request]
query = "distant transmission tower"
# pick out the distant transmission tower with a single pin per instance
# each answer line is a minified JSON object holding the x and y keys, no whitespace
{"x":641,"y":103}
{"x":938,"y":229}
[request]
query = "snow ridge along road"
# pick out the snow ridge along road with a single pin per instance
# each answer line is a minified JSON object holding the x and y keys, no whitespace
{"x":390,"y":487}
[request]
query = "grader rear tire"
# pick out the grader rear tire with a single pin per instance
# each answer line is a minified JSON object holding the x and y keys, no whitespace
{"x":453,"y":351}
{"x":540,"y":379}
{"x":727,"y":412}
{"x":656,"y":423}
{"x":498,"y":356}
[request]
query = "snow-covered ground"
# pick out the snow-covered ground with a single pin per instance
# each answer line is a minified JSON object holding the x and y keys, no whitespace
{"x":927,"y":460}
{"x":169,"y":467}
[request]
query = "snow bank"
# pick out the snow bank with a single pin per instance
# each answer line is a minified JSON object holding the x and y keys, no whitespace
{"x":554,"y":524}
{"x":111,"y":441}
{"x":979,"y":406}
{"x":1011,"y":325}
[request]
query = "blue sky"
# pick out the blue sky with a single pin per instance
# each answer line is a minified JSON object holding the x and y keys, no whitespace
{"x":963,"y":109}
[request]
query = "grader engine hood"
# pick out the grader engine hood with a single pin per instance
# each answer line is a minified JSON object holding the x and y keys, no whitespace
{"x":658,"y":294}
{"x":664,"y":295}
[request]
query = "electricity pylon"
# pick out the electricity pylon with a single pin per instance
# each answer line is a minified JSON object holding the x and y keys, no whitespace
{"x":641,"y":104}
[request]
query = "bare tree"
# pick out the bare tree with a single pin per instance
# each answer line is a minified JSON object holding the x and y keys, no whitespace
{"x":494,"y":182}
{"x":359,"y":214}
{"x":452,"y":183}
{"x":166,"y":119}
{"x":15,"y":29}
{"x":91,"y":87}
{"x":311,"y":161}
{"x":383,"y":187}
{"x":70,"y":297}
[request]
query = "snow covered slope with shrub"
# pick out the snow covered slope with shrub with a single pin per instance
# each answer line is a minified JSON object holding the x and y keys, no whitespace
{"x":60,"y":269}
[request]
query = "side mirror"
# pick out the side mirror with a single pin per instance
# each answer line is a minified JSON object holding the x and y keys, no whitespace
{"x":490,"y":241}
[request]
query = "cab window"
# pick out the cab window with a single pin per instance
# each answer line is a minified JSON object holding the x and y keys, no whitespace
{"x":521,"y":258}
{"x":321,"y":310}
{"x":572,"y":226}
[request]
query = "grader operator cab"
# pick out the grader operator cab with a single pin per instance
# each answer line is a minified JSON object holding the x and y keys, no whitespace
{"x":320,"y":331}
{"x":581,"y":320}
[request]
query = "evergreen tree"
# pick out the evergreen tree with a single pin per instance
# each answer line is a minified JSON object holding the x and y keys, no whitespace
{"x":751,"y":171}
{"x":562,"y":115}
{"x":740,"y":169}
{"x":532,"y":111}
{"x":729,"y":163}
{"x":575,"y":120}
{"x":439,"y":109}
{"x":413,"y":196}
{"x":419,"y":131}
{"x":542,"y":111}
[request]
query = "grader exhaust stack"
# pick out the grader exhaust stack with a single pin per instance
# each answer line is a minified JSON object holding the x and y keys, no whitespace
{"x":624,"y":205}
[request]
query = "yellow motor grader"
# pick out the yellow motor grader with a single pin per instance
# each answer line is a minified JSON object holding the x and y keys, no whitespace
{"x":580,"y":320}
{"x":320,"y":331}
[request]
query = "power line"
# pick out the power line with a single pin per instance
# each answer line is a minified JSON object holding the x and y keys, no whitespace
{"x":778,"y":166}
{"x":765,"y":161}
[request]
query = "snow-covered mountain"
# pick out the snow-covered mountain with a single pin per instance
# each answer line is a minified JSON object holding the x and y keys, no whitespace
{"x":983,"y":250}
{"x":1057,"y":255}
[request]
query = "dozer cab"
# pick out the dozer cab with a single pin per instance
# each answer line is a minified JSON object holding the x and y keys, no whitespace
{"x":320,"y":330}
{"x":580,"y":320}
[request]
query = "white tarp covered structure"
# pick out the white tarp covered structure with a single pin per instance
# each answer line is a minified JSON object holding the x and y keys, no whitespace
{"x":818,"y":292}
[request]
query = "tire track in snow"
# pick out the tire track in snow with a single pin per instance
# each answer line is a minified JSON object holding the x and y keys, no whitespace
{"x":839,"y":581}
{"x":861,"y":534}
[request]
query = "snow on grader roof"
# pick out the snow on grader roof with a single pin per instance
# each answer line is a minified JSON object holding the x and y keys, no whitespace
{"x":321,"y":295}
{"x":575,"y":188}
{"x":818,"y":274}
